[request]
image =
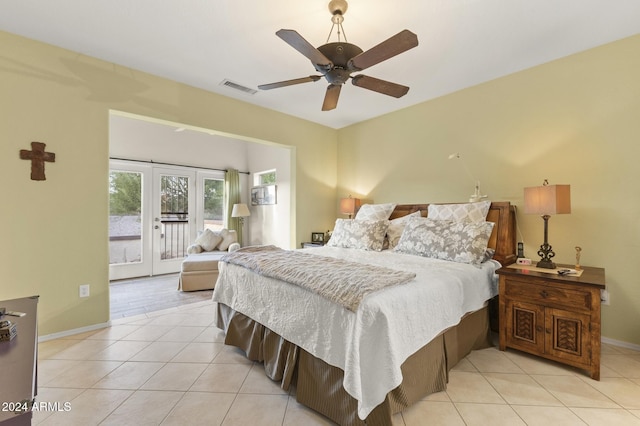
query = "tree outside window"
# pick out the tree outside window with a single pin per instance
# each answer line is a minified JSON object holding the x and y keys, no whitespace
{"x":266,"y":178}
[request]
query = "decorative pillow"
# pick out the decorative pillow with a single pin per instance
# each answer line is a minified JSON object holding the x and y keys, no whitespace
{"x":208,"y":239}
{"x":464,"y":242}
{"x":470,"y":212}
{"x":396,"y":226}
{"x":194,"y":249}
{"x":228,"y":237}
{"x":375,"y":211}
{"x":359,"y":234}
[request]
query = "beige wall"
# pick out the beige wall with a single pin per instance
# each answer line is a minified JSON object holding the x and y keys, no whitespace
{"x":574,"y":121}
{"x":55,"y":231}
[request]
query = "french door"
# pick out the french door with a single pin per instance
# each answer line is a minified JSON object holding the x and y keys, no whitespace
{"x":151,"y":218}
{"x":173,"y":218}
{"x":130,"y":243}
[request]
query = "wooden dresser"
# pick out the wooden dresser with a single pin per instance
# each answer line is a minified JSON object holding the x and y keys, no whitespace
{"x":552,"y":316}
{"x":18,"y":360}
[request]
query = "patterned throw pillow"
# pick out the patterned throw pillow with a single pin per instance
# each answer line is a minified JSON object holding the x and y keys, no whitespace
{"x":359,"y":234}
{"x":396,"y":226}
{"x":470,"y":212}
{"x":464,"y":242}
{"x":375,"y":211}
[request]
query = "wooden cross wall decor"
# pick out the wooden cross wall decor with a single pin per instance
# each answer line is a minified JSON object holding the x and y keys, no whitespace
{"x":38,"y":156}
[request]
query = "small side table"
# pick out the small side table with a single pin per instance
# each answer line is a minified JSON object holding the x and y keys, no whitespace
{"x":551,"y":315}
{"x":310,"y":244}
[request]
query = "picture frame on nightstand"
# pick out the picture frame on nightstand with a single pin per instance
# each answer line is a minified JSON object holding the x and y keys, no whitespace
{"x":317,"y":237}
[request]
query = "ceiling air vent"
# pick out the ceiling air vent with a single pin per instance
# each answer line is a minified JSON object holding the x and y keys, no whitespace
{"x":237,"y":86}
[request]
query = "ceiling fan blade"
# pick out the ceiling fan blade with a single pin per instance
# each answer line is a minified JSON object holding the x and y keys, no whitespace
{"x":289,"y":82}
{"x":295,"y":40}
{"x":380,"y":86}
{"x":389,"y":48}
{"x":331,"y":97}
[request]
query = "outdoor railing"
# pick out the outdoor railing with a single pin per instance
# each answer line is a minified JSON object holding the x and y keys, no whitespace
{"x":175,"y":239}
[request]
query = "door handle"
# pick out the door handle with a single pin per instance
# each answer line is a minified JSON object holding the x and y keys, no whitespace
{"x":156,"y":227}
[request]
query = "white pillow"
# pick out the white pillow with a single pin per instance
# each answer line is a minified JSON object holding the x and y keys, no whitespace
{"x":396,"y":226}
{"x":228,"y":237}
{"x":470,"y":212}
{"x":375,"y":211}
{"x":464,"y":242}
{"x":359,"y":234}
{"x":208,"y":239}
{"x":194,"y":249}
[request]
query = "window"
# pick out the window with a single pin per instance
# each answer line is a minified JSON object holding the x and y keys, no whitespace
{"x":125,"y":220}
{"x":213,"y":196}
{"x":267,"y":177}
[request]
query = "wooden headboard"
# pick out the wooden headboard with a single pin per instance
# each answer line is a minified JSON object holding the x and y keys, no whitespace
{"x":503,"y":236}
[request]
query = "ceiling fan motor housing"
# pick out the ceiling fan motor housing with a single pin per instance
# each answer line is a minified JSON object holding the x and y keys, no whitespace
{"x":339,"y":54}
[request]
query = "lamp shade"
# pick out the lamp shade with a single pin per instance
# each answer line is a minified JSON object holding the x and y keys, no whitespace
{"x":349,"y":205}
{"x":240,"y":210}
{"x":547,"y":199}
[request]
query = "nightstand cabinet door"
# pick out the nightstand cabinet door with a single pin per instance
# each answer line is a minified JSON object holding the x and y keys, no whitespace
{"x":525,"y":326}
{"x":567,"y":336}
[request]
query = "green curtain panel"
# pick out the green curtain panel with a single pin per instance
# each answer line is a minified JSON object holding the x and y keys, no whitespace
{"x":232,"y":196}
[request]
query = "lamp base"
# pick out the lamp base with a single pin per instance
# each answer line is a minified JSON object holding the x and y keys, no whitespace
{"x":547,"y":264}
{"x":546,"y":253}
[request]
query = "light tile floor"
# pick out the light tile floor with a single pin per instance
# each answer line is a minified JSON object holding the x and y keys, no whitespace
{"x":171,"y":368}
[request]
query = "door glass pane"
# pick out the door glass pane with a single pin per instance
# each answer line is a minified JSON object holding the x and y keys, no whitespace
{"x":174,"y":216}
{"x":125,"y":220}
{"x":213,"y":201}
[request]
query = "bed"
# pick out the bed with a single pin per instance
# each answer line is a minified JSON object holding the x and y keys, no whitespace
{"x":360,"y":365}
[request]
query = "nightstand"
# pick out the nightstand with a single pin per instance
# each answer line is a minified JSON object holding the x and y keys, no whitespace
{"x":552,"y":316}
{"x":310,"y":244}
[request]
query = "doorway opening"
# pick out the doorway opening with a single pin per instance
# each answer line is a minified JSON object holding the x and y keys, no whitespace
{"x":147,"y":144}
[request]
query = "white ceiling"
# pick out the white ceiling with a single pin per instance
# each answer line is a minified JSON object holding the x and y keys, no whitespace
{"x":203,"y":42}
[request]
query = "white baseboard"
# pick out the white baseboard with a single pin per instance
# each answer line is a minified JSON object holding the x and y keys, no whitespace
{"x":68,"y":333}
{"x":620,"y":343}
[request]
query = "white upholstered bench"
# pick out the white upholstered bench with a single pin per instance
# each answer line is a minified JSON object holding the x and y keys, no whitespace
{"x":199,"y":270}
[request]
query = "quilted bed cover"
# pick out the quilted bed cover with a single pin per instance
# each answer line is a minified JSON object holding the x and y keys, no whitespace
{"x":371,"y":344}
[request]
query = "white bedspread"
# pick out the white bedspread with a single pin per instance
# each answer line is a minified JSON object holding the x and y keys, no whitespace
{"x":371,"y":344}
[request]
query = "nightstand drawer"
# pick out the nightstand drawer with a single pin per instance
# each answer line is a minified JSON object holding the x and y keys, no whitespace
{"x":551,"y":294}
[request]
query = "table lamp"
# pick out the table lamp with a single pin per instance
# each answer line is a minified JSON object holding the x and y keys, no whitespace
{"x":547,"y":200}
{"x":349,"y":206}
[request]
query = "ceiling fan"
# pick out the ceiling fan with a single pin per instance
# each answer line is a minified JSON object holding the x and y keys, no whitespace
{"x":337,"y":61}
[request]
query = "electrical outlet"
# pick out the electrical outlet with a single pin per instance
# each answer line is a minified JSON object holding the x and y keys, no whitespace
{"x":604,"y":297}
{"x":84,"y":290}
